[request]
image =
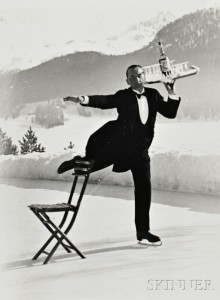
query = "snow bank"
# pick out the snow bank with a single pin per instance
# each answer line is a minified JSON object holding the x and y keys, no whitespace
{"x":189,"y":172}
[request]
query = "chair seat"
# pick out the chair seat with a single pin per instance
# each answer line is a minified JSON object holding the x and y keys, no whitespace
{"x":52,"y":207}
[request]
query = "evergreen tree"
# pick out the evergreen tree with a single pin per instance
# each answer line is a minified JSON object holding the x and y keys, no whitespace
{"x":70,"y":146}
{"x":29,"y":143}
{"x":6,"y":146}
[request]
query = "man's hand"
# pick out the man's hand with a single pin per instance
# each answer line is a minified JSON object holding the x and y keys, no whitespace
{"x":170,"y":87}
{"x":75,"y":99}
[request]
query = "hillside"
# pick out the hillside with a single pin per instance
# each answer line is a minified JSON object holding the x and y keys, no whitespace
{"x":194,"y":37}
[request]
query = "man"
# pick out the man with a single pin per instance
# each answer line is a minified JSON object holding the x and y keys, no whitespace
{"x":124,"y":142}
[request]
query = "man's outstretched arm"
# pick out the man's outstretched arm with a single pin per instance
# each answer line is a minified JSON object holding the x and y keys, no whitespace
{"x":99,"y":101}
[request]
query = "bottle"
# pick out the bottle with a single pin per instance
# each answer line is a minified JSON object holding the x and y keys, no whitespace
{"x":164,"y":62}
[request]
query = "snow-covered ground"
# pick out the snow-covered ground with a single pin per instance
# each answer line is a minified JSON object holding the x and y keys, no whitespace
{"x":186,"y":266}
{"x":185,"y":155}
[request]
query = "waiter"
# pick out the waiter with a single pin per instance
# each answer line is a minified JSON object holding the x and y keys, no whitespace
{"x":124,"y":142}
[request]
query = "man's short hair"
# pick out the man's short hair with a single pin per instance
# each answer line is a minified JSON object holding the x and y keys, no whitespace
{"x":132,"y":67}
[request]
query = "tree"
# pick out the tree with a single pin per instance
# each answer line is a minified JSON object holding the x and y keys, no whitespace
{"x":29,"y":143}
{"x":6,"y":146}
{"x":49,"y":115}
{"x":70,"y":146}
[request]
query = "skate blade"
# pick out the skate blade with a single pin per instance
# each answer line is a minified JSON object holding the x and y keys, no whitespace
{"x":147,"y":243}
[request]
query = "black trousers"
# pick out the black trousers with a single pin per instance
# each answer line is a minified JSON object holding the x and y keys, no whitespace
{"x":104,"y":153}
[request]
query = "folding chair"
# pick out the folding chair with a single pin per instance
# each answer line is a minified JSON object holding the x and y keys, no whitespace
{"x":82,"y":169}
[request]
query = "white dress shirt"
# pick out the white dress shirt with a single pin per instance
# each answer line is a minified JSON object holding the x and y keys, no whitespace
{"x":143,"y":106}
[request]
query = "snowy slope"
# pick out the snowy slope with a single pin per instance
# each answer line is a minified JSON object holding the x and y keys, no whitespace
{"x":138,"y":35}
{"x":26,"y":45}
{"x":185,"y":156}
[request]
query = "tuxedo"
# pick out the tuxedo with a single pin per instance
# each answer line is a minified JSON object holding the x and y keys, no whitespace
{"x":124,"y":142}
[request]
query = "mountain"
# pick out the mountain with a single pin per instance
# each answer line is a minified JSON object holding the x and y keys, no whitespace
{"x":194,"y":37}
{"x":23,"y":47}
{"x":138,"y":35}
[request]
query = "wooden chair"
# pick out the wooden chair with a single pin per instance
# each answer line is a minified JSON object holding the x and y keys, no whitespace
{"x":57,"y":232}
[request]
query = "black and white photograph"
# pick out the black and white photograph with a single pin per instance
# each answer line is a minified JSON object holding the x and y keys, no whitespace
{"x":109,"y":149}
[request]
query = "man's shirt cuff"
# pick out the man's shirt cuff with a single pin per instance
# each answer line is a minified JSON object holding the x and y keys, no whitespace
{"x":85,"y":101}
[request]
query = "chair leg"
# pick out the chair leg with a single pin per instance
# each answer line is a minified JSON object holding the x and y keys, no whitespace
{"x":45,"y":246}
{"x":60,"y":241}
{"x":57,"y":245}
{"x":51,"y":253}
{"x":53,"y":232}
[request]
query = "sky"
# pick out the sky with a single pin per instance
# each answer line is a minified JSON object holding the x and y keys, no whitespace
{"x":87,"y":18}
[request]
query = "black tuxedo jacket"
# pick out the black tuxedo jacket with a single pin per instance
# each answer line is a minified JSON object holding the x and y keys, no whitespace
{"x":127,"y":134}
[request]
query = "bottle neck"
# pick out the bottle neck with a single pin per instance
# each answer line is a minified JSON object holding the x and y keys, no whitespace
{"x":161,"y":49}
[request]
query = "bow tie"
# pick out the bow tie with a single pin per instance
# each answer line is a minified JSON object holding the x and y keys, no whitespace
{"x":138,"y":95}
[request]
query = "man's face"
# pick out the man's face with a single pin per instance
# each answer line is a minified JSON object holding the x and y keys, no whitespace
{"x":136,"y":78}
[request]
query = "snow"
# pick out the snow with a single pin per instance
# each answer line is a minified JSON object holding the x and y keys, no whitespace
{"x":116,"y":267}
{"x":185,"y":156}
{"x":26,"y":45}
